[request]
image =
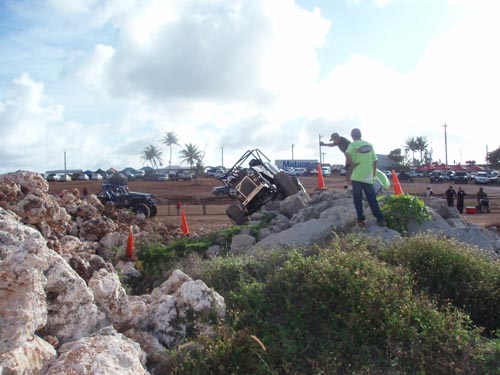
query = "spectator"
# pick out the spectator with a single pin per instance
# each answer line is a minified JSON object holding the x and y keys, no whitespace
{"x":460,"y":200}
{"x":363,"y":161}
{"x":428,"y":191}
{"x":450,"y":196}
{"x":482,"y":201}
{"x":178,"y":206}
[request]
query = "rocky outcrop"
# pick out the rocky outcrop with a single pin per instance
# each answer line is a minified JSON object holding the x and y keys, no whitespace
{"x":107,"y":352}
{"x":63,"y":309}
{"x":316,"y":220}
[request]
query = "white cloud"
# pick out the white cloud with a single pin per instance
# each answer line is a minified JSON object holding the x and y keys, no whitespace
{"x":244,"y":74}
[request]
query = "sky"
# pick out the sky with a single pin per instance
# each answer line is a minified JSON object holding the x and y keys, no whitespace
{"x":90,"y":84}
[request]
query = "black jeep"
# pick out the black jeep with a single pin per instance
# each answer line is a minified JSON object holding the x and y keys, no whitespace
{"x":139,"y":203}
{"x":256,"y":185}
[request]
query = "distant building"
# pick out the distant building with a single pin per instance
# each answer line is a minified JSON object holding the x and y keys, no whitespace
{"x":62,"y":171}
{"x":384,"y":163}
{"x":308,"y":164}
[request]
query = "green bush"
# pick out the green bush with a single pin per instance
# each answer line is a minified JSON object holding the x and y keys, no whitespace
{"x":453,"y":271}
{"x":352,"y":308}
{"x":345,"y":312}
{"x":398,"y":210}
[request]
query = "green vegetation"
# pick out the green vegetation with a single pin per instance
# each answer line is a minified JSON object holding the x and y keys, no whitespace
{"x":356,"y":307}
{"x":399,"y":210}
{"x":451,"y":271}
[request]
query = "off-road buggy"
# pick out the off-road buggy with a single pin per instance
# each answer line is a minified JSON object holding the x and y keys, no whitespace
{"x":256,"y":185}
{"x":139,"y":203}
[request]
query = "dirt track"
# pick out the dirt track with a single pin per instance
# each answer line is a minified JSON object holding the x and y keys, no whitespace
{"x":211,"y":216}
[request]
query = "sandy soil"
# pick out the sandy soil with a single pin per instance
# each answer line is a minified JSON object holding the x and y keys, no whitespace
{"x":208,"y":212}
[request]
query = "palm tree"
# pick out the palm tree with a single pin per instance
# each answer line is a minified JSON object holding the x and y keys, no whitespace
{"x":411,"y":145}
{"x":422,"y":143}
{"x":170,"y":139}
{"x":191,"y":155}
{"x":152,"y":154}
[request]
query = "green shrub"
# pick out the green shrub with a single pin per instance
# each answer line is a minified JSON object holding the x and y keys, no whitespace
{"x":453,"y":271}
{"x":337,"y":311}
{"x":398,"y":210}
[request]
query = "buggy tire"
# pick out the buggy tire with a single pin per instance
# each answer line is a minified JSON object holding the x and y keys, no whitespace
{"x":285,"y":184}
{"x":141,"y":208}
{"x":236,"y":214}
{"x":153,"y":211}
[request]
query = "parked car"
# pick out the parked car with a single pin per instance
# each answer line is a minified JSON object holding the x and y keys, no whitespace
{"x":83,"y":177}
{"x":220,"y":191}
{"x":448,"y":175}
{"x":436,"y":177}
{"x":129,"y":175}
{"x":296,"y":171}
{"x":139,"y":174}
{"x":482,"y":178}
{"x":64,"y":177}
{"x":325,"y":171}
{"x":184,"y":176}
{"x":52,"y":177}
{"x":96,"y":176}
{"x":162,"y":177}
{"x":493,"y":177}
{"x":461,"y":177}
{"x":216,"y":172}
{"x":416,"y":174}
{"x":343,"y":172}
{"x":403,"y":176}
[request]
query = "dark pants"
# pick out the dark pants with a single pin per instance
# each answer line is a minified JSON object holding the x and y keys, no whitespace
{"x":357,"y":197}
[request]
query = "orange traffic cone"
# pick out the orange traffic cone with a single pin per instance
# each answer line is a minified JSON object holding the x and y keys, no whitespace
{"x":185,"y":229}
{"x":395,"y":182}
{"x":130,"y":244}
{"x":321,"y":182}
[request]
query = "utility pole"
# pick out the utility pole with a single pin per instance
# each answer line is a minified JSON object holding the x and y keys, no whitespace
{"x":64,"y":160}
{"x":445,"y":144}
{"x":292,"y":150}
{"x":320,"y":161}
{"x":222,"y":156}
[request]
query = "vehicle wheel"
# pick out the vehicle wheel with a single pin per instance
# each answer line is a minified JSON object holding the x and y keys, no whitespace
{"x":153,"y":211}
{"x":285,"y":184}
{"x":141,"y":208}
{"x":236,"y":214}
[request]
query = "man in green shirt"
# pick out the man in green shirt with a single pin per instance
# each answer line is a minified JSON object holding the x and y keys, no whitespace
{"x":363,"y":161}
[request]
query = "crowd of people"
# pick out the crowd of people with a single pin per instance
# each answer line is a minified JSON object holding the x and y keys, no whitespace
{"x":483,"y":203}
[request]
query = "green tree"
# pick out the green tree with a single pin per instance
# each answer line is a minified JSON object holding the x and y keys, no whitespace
{"x":152,"y":154}
{"x":191,"y":155}
{"x":493,"y":158}
{"x":170,"y":139}
{"x":396,"y":157}
{"x":421,"y":144}
{"x":411,"y":146}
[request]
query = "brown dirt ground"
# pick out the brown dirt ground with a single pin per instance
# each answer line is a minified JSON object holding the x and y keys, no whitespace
{"x":199,"y":191}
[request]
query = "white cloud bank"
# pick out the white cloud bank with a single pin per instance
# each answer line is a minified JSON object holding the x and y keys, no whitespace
{"x":245,"y":74}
